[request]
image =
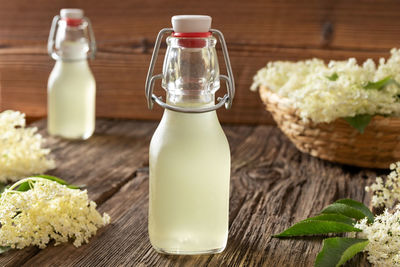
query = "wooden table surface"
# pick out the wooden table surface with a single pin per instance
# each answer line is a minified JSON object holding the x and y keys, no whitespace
{"x":273,"y":185}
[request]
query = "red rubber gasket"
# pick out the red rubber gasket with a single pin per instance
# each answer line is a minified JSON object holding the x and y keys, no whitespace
{"x":192,"y":39}
{"x":73,"y":22}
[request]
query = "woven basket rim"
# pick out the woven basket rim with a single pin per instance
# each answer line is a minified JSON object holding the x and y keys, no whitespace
{"x":272,"y":96}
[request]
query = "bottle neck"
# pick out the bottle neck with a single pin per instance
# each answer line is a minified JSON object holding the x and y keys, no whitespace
{"x":191,"y":71}
{"x":72,"y":43}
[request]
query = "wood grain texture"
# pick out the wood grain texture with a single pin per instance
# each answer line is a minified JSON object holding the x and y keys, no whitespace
{"x":273,"y":185}
{"x":256,"y":31}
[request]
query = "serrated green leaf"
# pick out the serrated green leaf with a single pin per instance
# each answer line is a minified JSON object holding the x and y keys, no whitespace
{"x":337,"y":250}
{"x":359,"y":206}
{"x":317,"y":227}
{"x":26,"y":186}
{"x":379,"y":85}
{"x":343,"y":209}
{"x":359,"y":121}
{"x":58,"y":180}
{"x":52,"y":178}
{"x":333,"y":218}
{"x":333,"y":77}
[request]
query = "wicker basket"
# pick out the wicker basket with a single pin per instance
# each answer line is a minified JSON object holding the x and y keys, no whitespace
{"x":337,"y":141}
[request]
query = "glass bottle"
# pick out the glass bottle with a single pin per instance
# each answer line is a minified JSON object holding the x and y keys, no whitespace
{"x":189,"y":157}
{"x":71,"y":88}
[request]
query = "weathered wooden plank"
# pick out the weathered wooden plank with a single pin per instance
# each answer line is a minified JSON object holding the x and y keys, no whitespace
{"x":273,"y":185}
{"x":296,"y":23}
{"x":104,"y":163}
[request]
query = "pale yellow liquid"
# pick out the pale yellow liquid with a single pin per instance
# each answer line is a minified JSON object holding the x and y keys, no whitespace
{"x":71,"y":100}
{"x":189,"y":184}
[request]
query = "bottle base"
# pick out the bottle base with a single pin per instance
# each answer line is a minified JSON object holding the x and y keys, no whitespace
{"x":72,"y":138}
{"x":184,"y":252}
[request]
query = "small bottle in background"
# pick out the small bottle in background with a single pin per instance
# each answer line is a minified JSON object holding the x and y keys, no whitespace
{"x":71,"y":86}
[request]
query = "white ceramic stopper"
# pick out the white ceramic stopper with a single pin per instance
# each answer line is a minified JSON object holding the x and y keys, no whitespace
{"x":71,"y":13}
{"x":191,"y":23}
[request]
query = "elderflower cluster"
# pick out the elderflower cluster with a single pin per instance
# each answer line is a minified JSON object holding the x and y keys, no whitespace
{"x":384,"y":238}
{"x":21,"y":153}
{"x":386,"y":193}
{"x":311,"y":89}
{"x":49,"y":211}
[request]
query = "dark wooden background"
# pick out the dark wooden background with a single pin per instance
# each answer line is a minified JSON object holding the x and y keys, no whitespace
{"x":256,"y":32}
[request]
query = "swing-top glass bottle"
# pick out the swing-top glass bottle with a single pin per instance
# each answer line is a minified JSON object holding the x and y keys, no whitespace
{"x":189,"y":154}
{"x":71,"y":86}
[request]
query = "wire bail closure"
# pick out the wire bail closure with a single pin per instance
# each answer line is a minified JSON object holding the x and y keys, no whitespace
{"x":52,"y":35}
{"x":150,"y":80}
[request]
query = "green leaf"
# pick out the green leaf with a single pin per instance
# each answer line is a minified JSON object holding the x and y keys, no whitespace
{"x":359,"y":206}
{"x":52,"y":178}
{"x":26,"y":186}
{"x":359,"y":121}
{"x":346,"y":210}
{"x":337,"y":250}
{"x":23,"y":187}
{"x":333,"y":77}
{"x":379,"y":85}
{"x":316,"y":227}
{"x":58,"y":180}
{"x":4,"y":249}
{"x":333,"y":218}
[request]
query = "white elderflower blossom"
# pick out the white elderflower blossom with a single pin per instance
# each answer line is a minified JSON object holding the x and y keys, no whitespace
{"x":48,"y":211}
{"x":21,"y":154}
{"x":386,"y":193}
{"x":324,"y":92}
{"x":384,"y":238}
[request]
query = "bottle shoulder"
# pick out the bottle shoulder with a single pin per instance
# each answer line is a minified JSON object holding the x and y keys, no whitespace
{"x":200,"y":128}
{"x":172,"y":143}
{"x":71,"y":72}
